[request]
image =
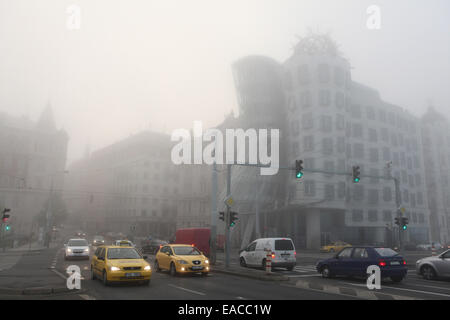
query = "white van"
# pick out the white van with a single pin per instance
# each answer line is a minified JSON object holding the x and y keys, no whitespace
{"x":283,"y":253}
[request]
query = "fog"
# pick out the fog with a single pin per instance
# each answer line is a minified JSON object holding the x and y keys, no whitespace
{"x":136,"y":65}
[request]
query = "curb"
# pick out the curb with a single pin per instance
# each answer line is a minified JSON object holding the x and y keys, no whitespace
{"x":265,"y":277}
{"x":37,"y":291}
{"x":354,"y":292}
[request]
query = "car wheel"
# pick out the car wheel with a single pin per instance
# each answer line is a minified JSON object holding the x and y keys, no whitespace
{"x":326,"y":272}
{"x":93,"y":277}
{"x":264,"y":264}
{"x":173,"y":270}
{"x":397,"y":279}
{"x":157,"y":268}
{"x":428,"y":273}
{"x":242,"y":262}
{"x":290,"y":268}
{"x":204,"y":274}
{"x":104,"y":278}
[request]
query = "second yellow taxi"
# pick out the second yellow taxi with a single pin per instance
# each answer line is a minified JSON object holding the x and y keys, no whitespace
{"x":181,"y":258}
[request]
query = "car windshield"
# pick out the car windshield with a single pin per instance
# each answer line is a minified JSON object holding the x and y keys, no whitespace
{"x":186,"y":251}
{"x":386,"y":252}
{"x":284,"y":245}
{"x":77,"y":243}
{"x":98,"y":238}
{"x":123,"y":253}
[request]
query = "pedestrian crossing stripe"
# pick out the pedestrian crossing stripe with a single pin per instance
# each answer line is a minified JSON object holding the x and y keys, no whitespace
{"x":303,"y":269}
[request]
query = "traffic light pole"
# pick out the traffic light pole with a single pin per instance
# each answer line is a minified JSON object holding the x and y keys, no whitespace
{"x":213,"y":236}
{"x":227,"y":220}
{"x":399,"y":213}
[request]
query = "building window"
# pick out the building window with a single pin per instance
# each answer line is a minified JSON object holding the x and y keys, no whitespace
{"x":341,"y":190}
{"x":355,"y":110}
{"x":303,"y":74}
{"x":358,"y":150}
{"x":419,"y":198}
{"x":307,"y":121}
{"x":329,"y":192}
{"x":324,"y":98}
{"x":387,"y":216}
{"x":310,"y":188}
{"x":340,"y":122}
{"x":373,"y":196}
{"x":339,"y":76}
{"x":295,"y":128}
{"x":324,"y":73}
{"x":327,"y":144}
{"x":373,"y":137}
{"x":386,"y":154}
{"x":357,"y":131}
{"x":357,"y":215}
{"x":373,"y":154}
{"x":305,"y":99}
{"x":326,"y":123}
{"x":370,"y":113}
{"x":358,"y":192}
{"x":373,"y":215}
{"x":340,"y":144}
{"x":329,"y":166}
{"x":308,"y":142}
{"x":340,"y":100}
{"x":387,"y":194}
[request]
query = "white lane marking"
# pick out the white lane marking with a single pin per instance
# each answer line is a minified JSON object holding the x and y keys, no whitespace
{"x":404,"y":289}
{"x":188,"y":290}
{"x":304,"y":275}
{"x":59,"y":274}
{"x":86,"y":297}
{"x":241,"y":298}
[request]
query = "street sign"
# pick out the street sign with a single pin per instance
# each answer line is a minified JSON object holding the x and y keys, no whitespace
{"x":402,"y":210}
{"x":229,"y":201}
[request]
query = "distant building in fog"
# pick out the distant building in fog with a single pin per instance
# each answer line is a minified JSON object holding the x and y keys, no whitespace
{"x":436,"y":151}
{"x":331,"y":123}
{"x":133,"y":187}
{"x":32,"y":159}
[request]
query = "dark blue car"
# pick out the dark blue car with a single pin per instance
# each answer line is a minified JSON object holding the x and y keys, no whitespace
{"x":353,"y":262}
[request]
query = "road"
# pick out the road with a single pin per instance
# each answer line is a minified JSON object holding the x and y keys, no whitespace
{"x":49,"y":267}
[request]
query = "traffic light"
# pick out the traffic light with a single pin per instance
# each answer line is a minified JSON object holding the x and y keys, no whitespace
{"x":397,"y":221}
{"x":405,"y":222}
{"x":5,"y":217}
{"x":233,"y":218}
{"x":222,"y":216}
{"x":298,"y":169}
{"x":7,"y":228}
{"x":356,"y":174}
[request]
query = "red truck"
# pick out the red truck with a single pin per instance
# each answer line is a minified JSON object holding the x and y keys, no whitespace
{"x":199,"y":237}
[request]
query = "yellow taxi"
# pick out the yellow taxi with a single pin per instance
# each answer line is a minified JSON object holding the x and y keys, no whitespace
{"x":120,"y":264}
{"x":181,"y":258}
{"x":335,"y":246}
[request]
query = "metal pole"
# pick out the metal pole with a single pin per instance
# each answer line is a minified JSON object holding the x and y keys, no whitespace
{"x":227,"y":220}
{"x":213,"y":215}
{"x":257,"y":231}
{"x":399,"y":214}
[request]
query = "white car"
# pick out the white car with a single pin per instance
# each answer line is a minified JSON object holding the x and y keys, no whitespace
{"x":76,"y":248}
{"x":124,"y":243}
{"x":282,"y":250}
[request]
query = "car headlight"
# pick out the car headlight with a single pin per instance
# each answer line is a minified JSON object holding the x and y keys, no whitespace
{"x":418,"y":261}
{"x":147,"y":268}
{"x":86,"y":250}
{"x":206,"y":261}
{"x":69,"y":250}
{"x":115,"y":269}
{"x":182,"y":262}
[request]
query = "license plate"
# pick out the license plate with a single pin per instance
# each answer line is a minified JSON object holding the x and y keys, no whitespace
{"x":133,"y":274}
{"x":395,"y":263}
{"x":197,"y":268}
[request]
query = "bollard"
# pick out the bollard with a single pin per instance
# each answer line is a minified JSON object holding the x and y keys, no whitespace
{"x":433,"y":251}
{"x":268,"y":261}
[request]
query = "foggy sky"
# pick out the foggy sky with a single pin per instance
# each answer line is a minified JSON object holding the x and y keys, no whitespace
{"x":161,"y":64}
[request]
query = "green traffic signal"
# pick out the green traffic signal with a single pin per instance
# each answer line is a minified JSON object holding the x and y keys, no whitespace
{"x":356,"y":179}
{"x":299,"y":175}
{"x":7,"y":228}
{"x":405,"y":227}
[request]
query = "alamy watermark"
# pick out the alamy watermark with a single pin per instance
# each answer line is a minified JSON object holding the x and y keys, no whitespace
{"x":73,"y":21}
{"x":191,"y":149}
{"x":374,"y":18}
{"x":74,"y":279}
{"x":374,"y":278}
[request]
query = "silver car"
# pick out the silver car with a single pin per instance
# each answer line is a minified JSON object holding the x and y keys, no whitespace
{"x":435,"y":266}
